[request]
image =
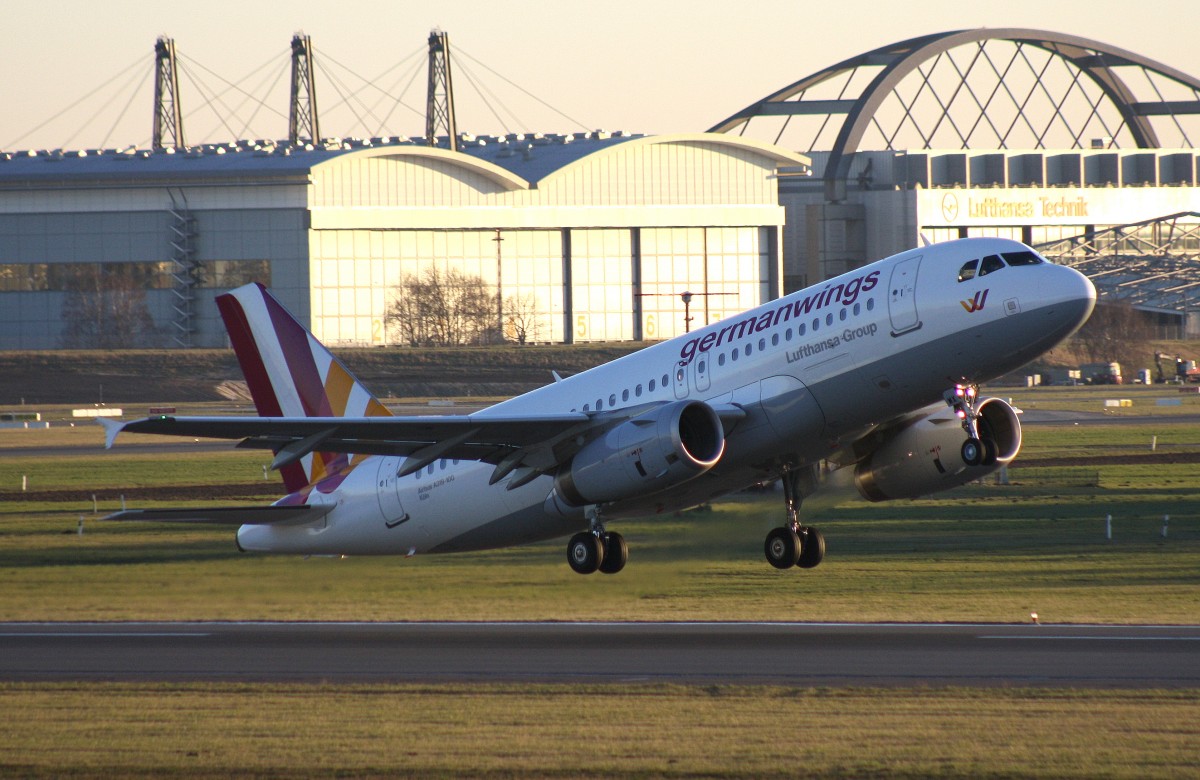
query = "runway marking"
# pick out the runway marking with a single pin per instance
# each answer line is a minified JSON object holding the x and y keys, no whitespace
{"x":101,"y":634}
{"x":1061,"y":637}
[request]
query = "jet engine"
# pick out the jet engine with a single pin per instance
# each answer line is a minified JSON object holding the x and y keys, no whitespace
{"x":926,"y":456}
{"x":648,"y":453}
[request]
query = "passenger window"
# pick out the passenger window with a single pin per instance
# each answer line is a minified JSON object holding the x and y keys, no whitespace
{"x":665,"y":380}
{"x":990,"y":263}
{"x":624,"y":395}
{"x":870,"y":304}
{"x":638,"y":391}
{"x":587,"y":407}
{"x":734,"y":355}
{"x":857,"y":309}
{"x":968,"y":271}
{"x":703,"y":366}
{"x":816,"y":325}
{"x":774,"y":339}
{"x":1022,"y":258}
{"x":762,"y":345}
{"x":599,"y":404}
{"x":842,"y":315}
{"x":652,"y":385}
{"x":749,"y":349}
{"x":787,"y":334}
{"x":721,"y":359}
{"x":800,"y":329}
{"x":829,"y":318}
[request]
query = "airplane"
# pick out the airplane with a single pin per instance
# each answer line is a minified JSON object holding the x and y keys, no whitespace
{"x":876,"y":370}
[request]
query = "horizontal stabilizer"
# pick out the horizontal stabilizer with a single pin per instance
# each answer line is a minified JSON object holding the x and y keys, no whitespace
{"x":227,"y":515}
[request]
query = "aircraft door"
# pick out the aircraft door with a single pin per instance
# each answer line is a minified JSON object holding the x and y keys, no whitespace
{"x":702,"y":372}
{"x":680,"y":380}
{"x":388,"y":485}
{"x":902,"y":296}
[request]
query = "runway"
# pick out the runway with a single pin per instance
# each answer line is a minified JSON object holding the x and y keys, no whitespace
{"x":801,"y":654}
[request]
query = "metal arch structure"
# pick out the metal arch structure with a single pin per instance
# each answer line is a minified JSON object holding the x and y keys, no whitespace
{"x":961,"y":81}
{"x":1152,"y":265}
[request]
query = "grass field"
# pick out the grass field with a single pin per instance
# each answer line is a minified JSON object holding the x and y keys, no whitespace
{"x":499,"y":731}
{"x":985,"y":552}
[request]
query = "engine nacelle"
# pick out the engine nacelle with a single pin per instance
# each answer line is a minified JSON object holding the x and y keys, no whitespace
{"x":659,"y":449}
{"x":926,"y":456}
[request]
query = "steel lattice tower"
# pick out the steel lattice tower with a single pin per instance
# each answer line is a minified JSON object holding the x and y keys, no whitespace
{"x":168,"y":113}
{"x":302,"y":118}
{"x":439,"y":106}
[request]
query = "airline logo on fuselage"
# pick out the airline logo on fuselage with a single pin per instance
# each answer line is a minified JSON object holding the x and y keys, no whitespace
{"x":976,"y":303}
{"x":843,"y":293}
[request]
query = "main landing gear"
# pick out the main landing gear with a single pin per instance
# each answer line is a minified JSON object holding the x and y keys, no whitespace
{"x":597,"y":549}
{"x":979,"y":448}
{"x":793,"y":544}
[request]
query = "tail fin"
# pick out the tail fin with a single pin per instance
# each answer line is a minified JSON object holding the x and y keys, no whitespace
{"x":291,"y":374}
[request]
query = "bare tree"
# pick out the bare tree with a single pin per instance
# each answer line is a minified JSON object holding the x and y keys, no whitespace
{"x":105,"y":308}
{"x":443,"y":308}
{"x":1115,"y":333}
{"x":521,"y":322}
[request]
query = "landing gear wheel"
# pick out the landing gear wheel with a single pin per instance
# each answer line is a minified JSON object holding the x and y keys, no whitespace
{"x":616,"y":553}
{"x":585,"y":552}
{"x":812,"y":551}
{"x":972,"y":452}
{"x":782,"y":548}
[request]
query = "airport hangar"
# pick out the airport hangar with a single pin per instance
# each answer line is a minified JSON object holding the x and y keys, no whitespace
{"x":1048,"y":138}
{"x":1085,"y":151}
{"x":598,"y":233}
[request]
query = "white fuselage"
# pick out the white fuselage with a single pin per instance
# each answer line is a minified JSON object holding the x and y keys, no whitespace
{"x":813,"y":372}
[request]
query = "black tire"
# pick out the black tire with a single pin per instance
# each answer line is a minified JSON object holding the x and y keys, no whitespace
{"x":616,"y":553}
{"x":782,"y":548}
{"x":585,"y":552}
{"x":990,"y":451}
{"x":813,"y":550}
{"x":972,"y":452}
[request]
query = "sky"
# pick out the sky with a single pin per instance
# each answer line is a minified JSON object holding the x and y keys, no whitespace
{"x":647,"y":66}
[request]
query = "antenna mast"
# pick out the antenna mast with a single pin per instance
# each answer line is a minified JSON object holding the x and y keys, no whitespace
{"x":302,"y":118}
{"x":168,"y":113}
{"x":439,"y":107}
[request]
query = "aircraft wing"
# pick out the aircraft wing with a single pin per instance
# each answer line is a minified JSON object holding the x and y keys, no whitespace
{"x":534,"y":443}
{"x":228,"y":515}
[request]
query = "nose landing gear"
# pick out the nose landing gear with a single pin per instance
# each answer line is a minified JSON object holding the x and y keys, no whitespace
{"x":978,"y":449}
{"x":793,"y":544}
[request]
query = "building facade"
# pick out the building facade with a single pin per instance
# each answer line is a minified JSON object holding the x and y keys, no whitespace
{"x":596,"y":236}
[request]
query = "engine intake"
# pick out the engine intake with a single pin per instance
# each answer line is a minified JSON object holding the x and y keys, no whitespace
{"x":657,"y":450}
{"x":926,"y":456}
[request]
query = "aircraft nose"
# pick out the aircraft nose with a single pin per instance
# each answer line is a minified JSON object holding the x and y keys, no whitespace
{"x":1074,"y":295}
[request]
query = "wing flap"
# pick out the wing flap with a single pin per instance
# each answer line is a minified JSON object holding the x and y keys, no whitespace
{"x":227,"y":515}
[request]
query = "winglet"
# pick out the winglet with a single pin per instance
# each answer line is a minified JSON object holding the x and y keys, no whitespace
{"x":111,"y":429}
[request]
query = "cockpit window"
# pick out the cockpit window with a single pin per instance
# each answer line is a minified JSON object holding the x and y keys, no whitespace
{"x":990,"y":263}
{"x":968,"y":271}
{"x":1022,"y":258}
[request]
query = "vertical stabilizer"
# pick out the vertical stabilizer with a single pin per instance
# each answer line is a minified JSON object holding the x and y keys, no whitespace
{"x":291,"y":374}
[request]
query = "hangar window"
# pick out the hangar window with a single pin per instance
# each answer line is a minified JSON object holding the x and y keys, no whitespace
{"x":1022,"y":258}
{"x":990,"y":263}
{"x":968,"y":271}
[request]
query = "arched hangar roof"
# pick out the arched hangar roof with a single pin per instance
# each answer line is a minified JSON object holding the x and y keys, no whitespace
{"x":987,"y":88}
{"x":515,"y":162}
